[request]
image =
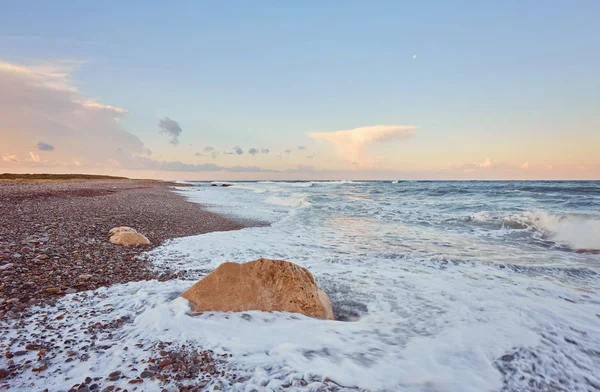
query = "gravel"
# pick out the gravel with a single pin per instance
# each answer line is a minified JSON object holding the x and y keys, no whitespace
{"x":54,"y":235}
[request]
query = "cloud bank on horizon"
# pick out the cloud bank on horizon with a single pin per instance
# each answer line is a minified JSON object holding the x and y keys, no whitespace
{"x":40,"y":102}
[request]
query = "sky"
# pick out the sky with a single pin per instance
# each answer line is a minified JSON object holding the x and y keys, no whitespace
{"x":301,"y":90}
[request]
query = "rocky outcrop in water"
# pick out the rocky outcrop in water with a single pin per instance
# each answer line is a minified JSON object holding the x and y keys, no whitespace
{"x":263,"y":284}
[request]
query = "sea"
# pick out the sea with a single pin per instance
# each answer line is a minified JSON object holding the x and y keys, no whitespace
{"x":436,"y":286}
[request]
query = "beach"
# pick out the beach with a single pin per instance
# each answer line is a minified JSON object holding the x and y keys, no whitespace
{"x":54,"y":235}
{"x":434,"y":286}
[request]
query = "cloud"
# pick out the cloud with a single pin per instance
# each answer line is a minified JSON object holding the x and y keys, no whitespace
{"x":199,"y":154}
{"x":486,"y":164}
{"x":288,"y":151}
{"x":177,"y":166}
{"x":311,"y":156}
{"x":264,"y":150}
{"x":41,"y":103}
{"x":302,"y":169}
{"x":171,"y":128}
{"x":91,"y":104}
{"x":237,"y":150}
{"x":34,"y":157}
{"x":253,"y":151}
{"x":10,"y":158}
{"x":525,"y":165}
{"x":350,"y":143}
{"x":42,"y":146}
{"x":210,"y":150}
{"x":301,"y":148}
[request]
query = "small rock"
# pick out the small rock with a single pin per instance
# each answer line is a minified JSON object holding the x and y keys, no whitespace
{"x":53,"y":290}
{"x":164,"y":363}
{"x":114,"y":376}
{"x":6,"y":266}
{"x":39,"y":369}
{"x":147,"y":374}
{"x":41,"y":257}
{"x":85,"y":277}
{"x":70,"y":291}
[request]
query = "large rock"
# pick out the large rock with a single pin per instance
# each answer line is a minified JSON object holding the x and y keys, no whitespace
{"x":129,"y":238}
{"x":263,"y":284}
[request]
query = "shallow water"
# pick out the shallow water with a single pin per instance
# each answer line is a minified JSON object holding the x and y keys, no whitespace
{"x":437,"y":286}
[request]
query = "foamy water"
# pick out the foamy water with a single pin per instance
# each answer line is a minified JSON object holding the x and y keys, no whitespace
{"x":436,"y":287}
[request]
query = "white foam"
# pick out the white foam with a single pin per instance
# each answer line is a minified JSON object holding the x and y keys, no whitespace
{"x":576,"y":231}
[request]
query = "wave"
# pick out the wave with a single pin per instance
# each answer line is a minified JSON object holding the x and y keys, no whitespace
{"x":577,"y":232}
{"x":289,"y":201}
{"x":593,"y":190}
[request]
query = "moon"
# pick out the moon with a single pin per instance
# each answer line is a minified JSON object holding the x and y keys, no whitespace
{"x":414,"y":56}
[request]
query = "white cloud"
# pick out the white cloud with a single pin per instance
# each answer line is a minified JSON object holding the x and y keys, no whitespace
{"x":264,"y":150}
{"x":34,"y":157}
{"x":253,"y":151}
{"x":41,"y":103}
{"x":486,"y":164}
{"x":350,"y":143}
{"x":91,"y":104}
{"x":51,"y":76}
{"x":525,"y":165}
{"x":10,"y":158}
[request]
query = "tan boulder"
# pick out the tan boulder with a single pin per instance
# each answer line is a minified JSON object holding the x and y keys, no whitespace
{"x":121,"y":229}
{"x":263,"y":284}
{"x":129,"y":238}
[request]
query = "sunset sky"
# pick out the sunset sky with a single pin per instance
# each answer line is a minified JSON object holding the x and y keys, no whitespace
{"x":302,"y":90}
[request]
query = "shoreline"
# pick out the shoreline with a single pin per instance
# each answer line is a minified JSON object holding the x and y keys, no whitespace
{"x":54,"y":235}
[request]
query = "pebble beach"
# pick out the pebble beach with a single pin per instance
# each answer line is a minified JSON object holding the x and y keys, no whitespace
{"x":54,"y":242}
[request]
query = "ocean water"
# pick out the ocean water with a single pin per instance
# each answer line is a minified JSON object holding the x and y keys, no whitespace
{"x":436,"y":286}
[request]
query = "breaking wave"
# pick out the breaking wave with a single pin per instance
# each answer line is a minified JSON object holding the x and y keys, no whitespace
{"x":575,"y":231}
